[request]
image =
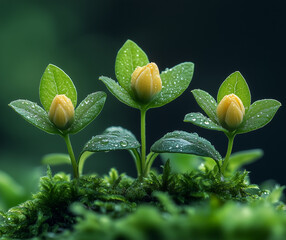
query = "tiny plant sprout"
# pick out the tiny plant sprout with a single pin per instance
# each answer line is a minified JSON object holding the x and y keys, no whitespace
{"x":233,"y":112}
{"x":146,"y":82}
{"x":59,"y":116}
{"x":61,"y":112}
{"x":230,"y":111}
{"x":140,"y":85}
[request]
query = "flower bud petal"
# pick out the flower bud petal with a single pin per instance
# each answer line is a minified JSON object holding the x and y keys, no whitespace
{"x":61,"y":112}
{"x":230,"y":111}
{"x":146,"y":82}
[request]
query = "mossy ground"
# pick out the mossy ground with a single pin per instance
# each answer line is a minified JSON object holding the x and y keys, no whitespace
{"x":163,"y":206}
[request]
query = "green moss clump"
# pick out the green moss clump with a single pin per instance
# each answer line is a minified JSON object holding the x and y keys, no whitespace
{"x":93,"y":204}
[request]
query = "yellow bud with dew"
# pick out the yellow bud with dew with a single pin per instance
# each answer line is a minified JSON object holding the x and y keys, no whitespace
{"x":230,"y":111}
{"x":61,"y":112}
{"x":146,"y":82}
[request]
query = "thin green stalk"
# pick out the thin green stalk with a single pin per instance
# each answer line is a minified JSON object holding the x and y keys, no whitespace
{"x":72,"y":157}
{"x":228,"y":153}
{"x":149,"y":161}
{"x":143,"y":142}
{"x":137,"y":158}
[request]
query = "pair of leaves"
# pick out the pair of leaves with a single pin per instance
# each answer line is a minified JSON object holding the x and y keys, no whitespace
{"x":174,"y":81}
{"x":117,"y":138}
{"x":55,"y":81}
{"x":257,"y":114}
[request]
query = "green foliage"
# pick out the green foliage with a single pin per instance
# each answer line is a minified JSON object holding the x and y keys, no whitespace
{"x":128,"y":58}
{"x":207,"y":103}
{"x":239,"y":159}
{"x":113,"y":138}
{"x":235,"y":83}
{"x":257,"y":114}
{"x":49,"y":209}
{"x":182,"y":163}
{"x":198,"y":200}
{"x":260,"y":113}
{"x":117,"y":197}
{"x":184,"y":142}
{"x":200,"y":120}
{"x":119,"y":92}
{"x":258,"y":220}
{"x":54,"y":82}
{"x":56,"y":159}
{"x":87,"y":111}
{"x":174,"y":81}
{"x":34,"y":114}
{"x":11,"y":192}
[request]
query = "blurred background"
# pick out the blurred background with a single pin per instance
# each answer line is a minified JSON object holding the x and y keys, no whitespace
{"x":83,"y":37}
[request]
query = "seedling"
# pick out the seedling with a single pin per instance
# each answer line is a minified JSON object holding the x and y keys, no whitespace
{"x":233,"y":112}
{"x":141,"y":86}
{"x":59,"y":98}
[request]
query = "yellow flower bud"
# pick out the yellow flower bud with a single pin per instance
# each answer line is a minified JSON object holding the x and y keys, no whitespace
{"x":146,"y":82}
{"x":61,"y":112}
{"x":230,"y":111}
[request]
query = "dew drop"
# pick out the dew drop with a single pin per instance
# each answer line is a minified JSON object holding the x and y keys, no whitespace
{"x":194,"y":119}
{"x":104,"y":141}
{"x":207,"y":123}
{"x":123,"y":143}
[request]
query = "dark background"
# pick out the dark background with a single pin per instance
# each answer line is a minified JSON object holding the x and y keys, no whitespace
{"x":83,"y":37}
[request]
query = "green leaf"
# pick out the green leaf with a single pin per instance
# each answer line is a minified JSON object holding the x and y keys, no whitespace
{"x":276,"y":194}
{"x":235,"y":83}
{"x":56,"y":159}
{"x":34,"y":114}
{"x":54,"y":82}
{"x":182,"y":163}
{"x":207,"y":103}
{"x":174,"y":82}
{"x":259,"y":114}
{"x":113,"y":138}
{"x":11,"y":192}
{"x":87,"y":111}
{"x":200,"y":120}
{"x":237,"y":160}
{"x":128,"y":58}
{"x":119,"y":92}
{"x":184,"y":142}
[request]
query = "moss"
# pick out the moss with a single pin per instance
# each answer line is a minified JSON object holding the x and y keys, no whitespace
{"x":95,"y":205}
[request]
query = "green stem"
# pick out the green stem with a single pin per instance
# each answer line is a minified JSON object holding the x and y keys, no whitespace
{"x":228,"y":153}
{"x":137,"y":158}
{"x":72,"y":157}
{"x":149,"y":161}
{"x":143,"y":142}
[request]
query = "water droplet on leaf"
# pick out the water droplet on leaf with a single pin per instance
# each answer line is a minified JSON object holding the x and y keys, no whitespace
{"x":123,"y":143}
{"x":104,"y":141}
